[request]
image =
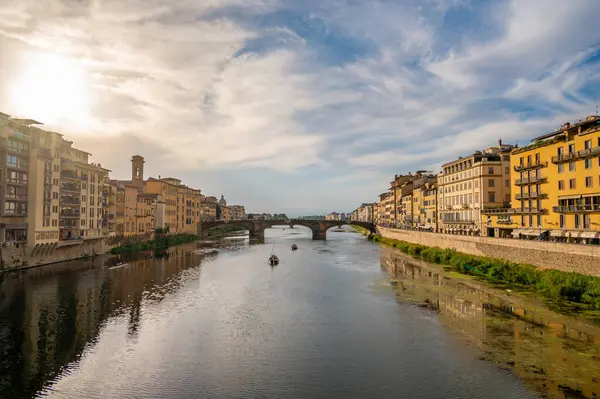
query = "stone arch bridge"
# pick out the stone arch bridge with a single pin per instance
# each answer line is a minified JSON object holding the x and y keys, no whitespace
{"x":257,"y":227}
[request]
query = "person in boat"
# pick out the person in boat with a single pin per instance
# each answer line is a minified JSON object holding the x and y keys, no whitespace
{"x":273,"y":260}
{"x":294,"y":247}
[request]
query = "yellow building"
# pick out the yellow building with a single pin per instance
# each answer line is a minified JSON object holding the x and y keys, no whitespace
{"x":425,"y":204}
{"x":556,"y":187}
{"x":468,"y":185}
{"x":208,"y":208}
{"x":405,"y":207}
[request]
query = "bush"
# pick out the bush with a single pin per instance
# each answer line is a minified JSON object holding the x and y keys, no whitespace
{"x":553,"y":284}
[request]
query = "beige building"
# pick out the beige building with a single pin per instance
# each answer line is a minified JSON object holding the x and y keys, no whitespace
{"x":424,"y":200}
{"x":238,"y":212}
{"x":208,"y":208}
{"x":468,"y":185}
{"x":52,"y":194}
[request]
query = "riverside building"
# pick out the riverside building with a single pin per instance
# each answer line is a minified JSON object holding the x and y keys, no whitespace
{"x":555,"y":184}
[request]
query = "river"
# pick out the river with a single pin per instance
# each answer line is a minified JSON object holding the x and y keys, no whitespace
{"x":342,"y":318}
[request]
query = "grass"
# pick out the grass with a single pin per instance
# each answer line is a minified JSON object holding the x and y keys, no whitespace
{"x":553,"y":284}
{"x":158,"y":244}
{"x":361,"y":230}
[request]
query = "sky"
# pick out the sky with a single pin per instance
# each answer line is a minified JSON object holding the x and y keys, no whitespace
{"x":297,"y":106}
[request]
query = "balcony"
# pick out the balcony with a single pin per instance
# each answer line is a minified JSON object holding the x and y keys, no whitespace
{"x":535,"y":195}
{"x":24,"y":166}
{"x":564,"y":157}
{"x":70,"y":201}
{"x":588,"y":153}
{"x":504,"y":221}
{"x":530,"y":166}
{"x":45,"y":153}
{"x":460,"y":221}
{"x":70,"y":215}
{"x":530,"y":180}
{"x":19,"y":135}
{"x":576,"y":208}
{"x":16,"y":197}
{"x":513,"y":211}
{"x":70,"y":187}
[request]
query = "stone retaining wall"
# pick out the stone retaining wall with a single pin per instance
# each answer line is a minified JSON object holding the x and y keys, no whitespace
{"x":577,"y":258}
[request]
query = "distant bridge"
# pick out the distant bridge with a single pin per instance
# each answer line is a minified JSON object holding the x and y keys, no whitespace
{"x":257,"y":227}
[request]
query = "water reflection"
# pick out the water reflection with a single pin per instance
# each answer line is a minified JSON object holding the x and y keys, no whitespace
{"x":50,"y":315}
{"x":558,"y":354}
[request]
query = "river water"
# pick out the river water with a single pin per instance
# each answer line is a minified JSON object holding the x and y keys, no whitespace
{"x":343,"y":318}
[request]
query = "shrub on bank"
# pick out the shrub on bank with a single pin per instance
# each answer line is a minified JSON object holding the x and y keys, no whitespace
{"x":217,"y":231}
{"x":553,"y":284}
{"x":158,"y":244}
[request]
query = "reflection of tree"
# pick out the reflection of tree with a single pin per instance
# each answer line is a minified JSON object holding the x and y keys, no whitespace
{"x":47,"y":318}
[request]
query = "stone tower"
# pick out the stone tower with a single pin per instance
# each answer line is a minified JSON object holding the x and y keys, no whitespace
{"x":137,"y":172}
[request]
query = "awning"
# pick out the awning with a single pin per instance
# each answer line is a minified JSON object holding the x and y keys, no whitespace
{"x":558,"y":233}
{"x":527,"y":232}
{"x":536,"y":233}
{"x":590,"y":195}
{"x":565,"y":197}
{"x":590,"y":234}
{"x":516,"y":232}
{"x":573,"y":234}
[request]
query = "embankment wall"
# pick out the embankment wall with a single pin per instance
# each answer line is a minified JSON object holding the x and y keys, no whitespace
{"x":577,"y":258}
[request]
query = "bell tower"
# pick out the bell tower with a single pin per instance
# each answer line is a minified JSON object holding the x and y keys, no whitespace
{"x":137,"y":172}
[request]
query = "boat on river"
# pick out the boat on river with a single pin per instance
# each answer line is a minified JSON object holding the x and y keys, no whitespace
{"x":294,"y":247}
{"x":273,"y":260}
{"x":119,"y":265}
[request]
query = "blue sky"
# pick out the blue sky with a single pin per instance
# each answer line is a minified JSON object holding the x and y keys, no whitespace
{"x":300,"y":106}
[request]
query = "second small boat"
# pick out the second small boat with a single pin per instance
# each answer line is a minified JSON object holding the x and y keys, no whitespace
{"x":294,"y":247}
{"x":273,"y":260}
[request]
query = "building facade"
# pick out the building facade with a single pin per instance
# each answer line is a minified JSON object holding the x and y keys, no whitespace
{"x":468,"y":185}
{"x":555,"y":187}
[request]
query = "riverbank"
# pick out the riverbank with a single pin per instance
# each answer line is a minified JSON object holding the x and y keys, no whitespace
{"x":153,"y":245}
{"x":552,"y":284}
{"x":221,"y":231}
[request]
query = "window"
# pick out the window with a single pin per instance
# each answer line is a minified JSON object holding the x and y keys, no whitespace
{"x":55,"y":182}
{"x":561,"y":168}
{"x":588,"y":144}
{"x":491,"y":170}
{"x":588,"y":163}
{"x":492,"y":196}
{"x":55,"y":195}
{"x":589,"y":182}
{"x":477,"y":198}
{"x":507,"y":170}
{"x":521,"y":161}
{"x":586,"y":221}
{"x":562,"y":221}
{"x":15,"y":161}
{"x":54,"y":222}
{"x":539,"y":220}
{"x":572,"y":184}
{"x":571,"y":148}
{"x":55,"y":209}
{"x":84,"y":185}
{"x":17,"y":146}
{"x":531,"y":221}
{"x":577,"y":222}
{"x":572,"y":166}
{"x":506,"y":183}
{"x":83,"y":210}
{"x":507,"y":198}
{"x":561,"y":184}
{"x":15,"y":208}
{"x":491,"y":183}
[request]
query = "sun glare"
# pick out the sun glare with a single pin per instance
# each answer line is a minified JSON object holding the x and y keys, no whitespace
{"x":52,"y":89}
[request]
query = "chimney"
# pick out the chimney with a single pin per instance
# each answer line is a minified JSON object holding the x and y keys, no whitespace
{"x":500,"y":142}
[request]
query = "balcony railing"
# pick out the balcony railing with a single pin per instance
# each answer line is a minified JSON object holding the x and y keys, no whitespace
{"x":590,"y":152}
{"x":16,"y":197}
{"x":16,"y":181}
{"x":534,"y":195}
{"x":530,"y":180}
{"x":513,"y":211}
{"x":74,"y":188}
{"x":19,"y":135}
{"x":528,"y":166}
{"x":459,"y":221}
{"x":564,"y":157}
{"x":70,"y":201}
{"x":70,"y":214}
{"x":576,"y":208}
{"x":45,"y":153}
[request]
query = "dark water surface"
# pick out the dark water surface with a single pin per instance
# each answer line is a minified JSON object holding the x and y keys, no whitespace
{"x":325,"y":323}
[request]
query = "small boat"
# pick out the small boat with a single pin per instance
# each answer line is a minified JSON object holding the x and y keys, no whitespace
{"x":273,"y":260}
{"x":294,"y":247}
{"x":118,"y":265}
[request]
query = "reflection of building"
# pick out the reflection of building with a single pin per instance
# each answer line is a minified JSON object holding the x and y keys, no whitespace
{"x":555,"y":187}
{"x":467,"y":185}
